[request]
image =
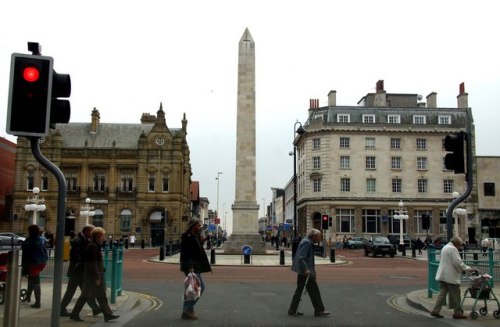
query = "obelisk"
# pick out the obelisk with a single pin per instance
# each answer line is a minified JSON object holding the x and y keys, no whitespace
{"x":245,"y":207}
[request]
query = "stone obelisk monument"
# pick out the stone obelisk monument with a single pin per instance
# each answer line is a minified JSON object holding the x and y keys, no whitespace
{"x":245,"y":207}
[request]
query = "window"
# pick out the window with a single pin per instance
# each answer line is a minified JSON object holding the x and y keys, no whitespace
{"x":421,"y":163}
{"x":395,"y":143}
{"x":396,"y":163}
{"x":448,"y":186}
{"x":71,"y":182}
{"x":371,"y":185}
{"x":344,"y":142}
{"x":151,"y":183}
{"x":370,"y":143}
{"x":44,"y":183}
{"x":419,"y":119}
{"x":345,"y":184}
{"x":343,"y":118}
{"x":421,"y":144}
{"x":345,"y":220}
{"x":417,"y":221}
{"x":30,"y":181}
{"x":345,"y":162}
{"x":444,"y":120}
{"x":368,"y":119}
{"x":317,"y":185}
{"x":127,"y":181}
{"x":396,"y":185}
{"x":370,"y":162}
{"x":98,"y":218}
{"x":422,"y":185}
{"x":125,"y":219}
{"x":164,"y":183}
{"x":316,"y":144}
{"x":99,"y":183}
{"x":371,"y":221}
{"x":316,"y":163}
{"x":394,"y":224}
{"x":393,"y":119}
{"x":489,"y":189}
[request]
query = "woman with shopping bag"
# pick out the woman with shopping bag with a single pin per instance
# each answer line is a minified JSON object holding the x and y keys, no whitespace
{"x":194,"y":262}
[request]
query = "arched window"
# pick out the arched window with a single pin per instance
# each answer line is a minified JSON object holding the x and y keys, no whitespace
{"x":125,"y":220}
{"x":98,"y":219}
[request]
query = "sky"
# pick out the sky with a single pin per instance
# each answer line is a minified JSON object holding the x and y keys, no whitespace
{"x":126,"y":57}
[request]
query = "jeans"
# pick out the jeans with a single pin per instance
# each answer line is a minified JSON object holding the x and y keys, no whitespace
{"x":188,"y":306}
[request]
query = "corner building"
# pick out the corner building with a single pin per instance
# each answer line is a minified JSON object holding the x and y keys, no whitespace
{"x":137,"y":177}
{"x":356,"y":163}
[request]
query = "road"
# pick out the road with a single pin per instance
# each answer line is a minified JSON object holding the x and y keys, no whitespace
{"x":364,"y":292}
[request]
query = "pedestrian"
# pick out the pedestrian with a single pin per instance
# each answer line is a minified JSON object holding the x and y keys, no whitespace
{"x":75,"y":270}
{"x":34,"y":259}
{"x":132,"y":240}
{"x":94,"y":284}
{"x":484,"y":246}
{"x":303,"y":265}
{"x":419,"y":244}
{"x":193,"y":259}
{"x":448,"y":275}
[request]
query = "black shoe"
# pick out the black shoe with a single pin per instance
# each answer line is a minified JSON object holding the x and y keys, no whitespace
{"x":96,"y":312}
{"x":75,"y":318}
{"x":295,"y":313}
{"x":65,"y":313}
{"x":110,"y":317}
{"x":437,"y":315}
{"x":36,"y":305}
{"x":322,"y":313}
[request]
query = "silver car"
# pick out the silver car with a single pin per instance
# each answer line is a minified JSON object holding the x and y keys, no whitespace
{"x":7,"y":238}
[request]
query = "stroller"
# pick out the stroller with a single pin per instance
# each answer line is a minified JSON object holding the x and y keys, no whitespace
{"x":480,"y":289}
{"x":4,"y":259}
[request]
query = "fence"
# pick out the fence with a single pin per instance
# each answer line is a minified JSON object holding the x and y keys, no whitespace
{"x":486,"y":262}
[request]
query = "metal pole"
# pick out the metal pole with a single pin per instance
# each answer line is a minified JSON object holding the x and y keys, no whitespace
{"x":11,"y":309}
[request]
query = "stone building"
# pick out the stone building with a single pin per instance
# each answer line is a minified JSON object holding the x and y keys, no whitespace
{"x":488,"y":198}
{"x":137,"y":177}
{"x":356,"y":163}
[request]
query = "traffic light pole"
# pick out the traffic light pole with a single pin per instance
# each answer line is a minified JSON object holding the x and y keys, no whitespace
{"x":61,"y":211}
{"x":468,"y":177}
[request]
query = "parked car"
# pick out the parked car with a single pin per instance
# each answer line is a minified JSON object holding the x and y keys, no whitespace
{"x":394,"y":239}
{"x":7,"y":238}
{"x":379,"y":245}
{"x":355,"y":243}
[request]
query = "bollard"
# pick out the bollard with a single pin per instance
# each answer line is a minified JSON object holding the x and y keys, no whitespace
{"x":413,"y":252}
{"x":126,"y":243}
{"x":142,"y":244}
{"x":212,"y":256}
{"x":332,"y":255}
{"x":282,"y":257}
{"x":11,"y":309}
{"x":246,"y":259}
{"x":170,"y":248}
{"x":162,"y":253}
{"x":475,"y":256}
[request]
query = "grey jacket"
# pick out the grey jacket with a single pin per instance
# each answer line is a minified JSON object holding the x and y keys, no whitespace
{"x":304,"y":258}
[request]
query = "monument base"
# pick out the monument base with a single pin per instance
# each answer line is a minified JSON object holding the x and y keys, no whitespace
{"x":235,"y":242}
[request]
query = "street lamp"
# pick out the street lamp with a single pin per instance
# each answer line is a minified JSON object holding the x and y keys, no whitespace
{"x":87,"y":210}
{"x":458,"y":213}
{"x":300,"y":131}
{"x":35,"y":204}
{"x":401,"y":215}
{"x":217,"y":215}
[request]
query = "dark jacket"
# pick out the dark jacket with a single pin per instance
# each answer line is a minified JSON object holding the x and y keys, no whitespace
{"x":77,"y":256}
{"x":193,"y":255}
{"x":34,"y":253}
{"x":304,"y":258}
{"x":93,"y":270}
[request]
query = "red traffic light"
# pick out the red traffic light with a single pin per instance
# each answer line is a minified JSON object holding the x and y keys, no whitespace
{"x":31,"y":74}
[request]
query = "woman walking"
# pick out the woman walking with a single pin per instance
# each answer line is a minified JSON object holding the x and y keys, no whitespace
{"x":33,"y":262}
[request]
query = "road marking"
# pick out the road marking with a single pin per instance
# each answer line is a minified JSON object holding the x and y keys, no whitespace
{"x":156,"y":303}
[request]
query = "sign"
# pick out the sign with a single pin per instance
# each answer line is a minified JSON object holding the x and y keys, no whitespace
{"x":246,"y":250}
{"x":211,"y":228}
{"x":217,"y":221}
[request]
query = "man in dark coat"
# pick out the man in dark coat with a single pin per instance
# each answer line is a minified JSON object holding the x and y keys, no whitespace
{"x":193,"y":259}
{"x":75,"y":270}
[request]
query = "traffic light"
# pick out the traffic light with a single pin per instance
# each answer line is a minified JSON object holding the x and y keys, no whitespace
{"x":455,"y":161}
{"x":33,"y":91}
{"x":324,"y":222}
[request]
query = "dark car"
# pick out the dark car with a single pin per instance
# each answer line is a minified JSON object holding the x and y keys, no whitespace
{"x":356,"y":242}
{"x":379,"y":245}
{"x":394,"y":239}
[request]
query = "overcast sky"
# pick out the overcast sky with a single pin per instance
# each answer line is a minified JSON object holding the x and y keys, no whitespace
{"x":125,"y":57}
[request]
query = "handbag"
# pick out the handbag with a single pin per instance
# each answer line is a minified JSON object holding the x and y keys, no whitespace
{"x":192,"y":287}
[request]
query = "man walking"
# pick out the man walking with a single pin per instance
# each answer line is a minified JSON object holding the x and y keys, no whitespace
{"x":448,"y":276}
{"x":303,"y":265}
{"x":75,"y":270}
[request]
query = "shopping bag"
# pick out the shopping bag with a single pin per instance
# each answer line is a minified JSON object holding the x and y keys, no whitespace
{"x":192,"y":287}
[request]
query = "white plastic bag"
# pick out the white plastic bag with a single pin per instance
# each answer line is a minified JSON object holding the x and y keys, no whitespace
{"x":192,"y":287}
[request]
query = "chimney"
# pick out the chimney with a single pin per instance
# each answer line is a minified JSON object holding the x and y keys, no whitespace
{"x":432,"y":100}
{"x":463,"y":97}
{"x":332,"y":98}
{"x":95,"y":121}
{"x":313,"y":103}
{"x":380,"y":97}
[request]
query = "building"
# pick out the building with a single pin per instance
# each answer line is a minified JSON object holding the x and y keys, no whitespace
{"x":137,"y":177}
{"x":7,"y":169}
{"x":356,"y":163}
{"x":488,"y":198}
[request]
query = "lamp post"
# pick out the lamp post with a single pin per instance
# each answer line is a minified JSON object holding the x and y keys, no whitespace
{"x":458,"y":213}
{"x":300,"y":131}
{"x":217,"y":215}
{"x":35,"y":204}
{"x":401,"y":215}
{"x":87,"y":211}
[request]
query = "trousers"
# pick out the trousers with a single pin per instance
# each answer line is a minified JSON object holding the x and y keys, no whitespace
{"x":454,"y":291}
{"x":313,"y":291}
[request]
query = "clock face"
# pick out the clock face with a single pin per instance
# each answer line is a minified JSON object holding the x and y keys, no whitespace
{"x":160,"y":141}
